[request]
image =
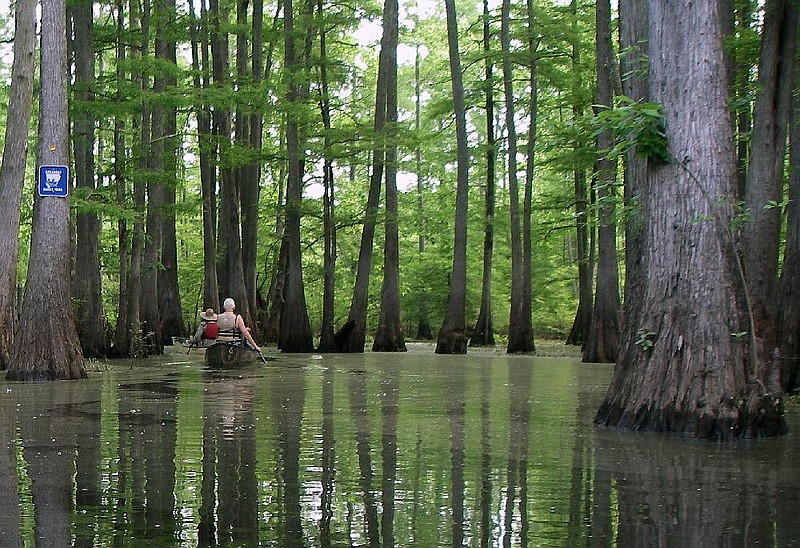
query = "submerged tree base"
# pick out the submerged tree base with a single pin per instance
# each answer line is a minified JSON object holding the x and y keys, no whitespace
{"x":762,"y":416}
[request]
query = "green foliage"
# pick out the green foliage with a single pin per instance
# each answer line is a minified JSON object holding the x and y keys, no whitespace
{"x":635,"y":124}
{"x":646,"y":340}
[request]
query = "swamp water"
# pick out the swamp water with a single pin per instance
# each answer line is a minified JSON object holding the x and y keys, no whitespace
{"x":407,"y":449}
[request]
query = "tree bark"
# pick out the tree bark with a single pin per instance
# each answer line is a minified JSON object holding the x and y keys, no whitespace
{"x":689,"y":365}
{"x":765,"y":170}
{"x":47,"y":345}
{"x":602,"y":344}
{"x":12,"y":169}
{"x":389,"y":335}
{"x":788,"y":317}
{"x":452,"y":337}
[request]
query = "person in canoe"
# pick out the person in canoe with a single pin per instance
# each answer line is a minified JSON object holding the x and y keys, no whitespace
{"x":231,"y":326}
{"x":207,"y":328}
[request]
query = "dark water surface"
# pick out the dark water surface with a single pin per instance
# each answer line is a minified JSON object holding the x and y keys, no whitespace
{"x":371,"y":450}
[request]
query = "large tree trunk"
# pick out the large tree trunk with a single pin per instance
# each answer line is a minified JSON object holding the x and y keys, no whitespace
{"x":47,"y":345}
{"x":689,"y":365}
{"x":86,"y":282}
{"x":295,"y":328}
{"x":765,"y":170}
{"x":169,"y":302}
{"x":603,"y":341}
{"x":788,"y":321}
{"x":156,"y":203}
{"x":452,"y":337}
{"x":483,"y":333}
{"x":389,"y":335}
{"x":147,"y":201}
{"x":12,"y":169}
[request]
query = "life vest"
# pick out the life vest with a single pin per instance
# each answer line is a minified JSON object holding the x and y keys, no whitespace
{"x":228,"y":330}
{"x":210,"y":330}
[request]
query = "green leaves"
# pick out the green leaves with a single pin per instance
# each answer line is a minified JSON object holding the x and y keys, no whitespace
{"x":635,"y":124}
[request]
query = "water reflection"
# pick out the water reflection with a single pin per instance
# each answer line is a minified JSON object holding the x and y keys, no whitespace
{"x":229,"y":492}
{"x":371,"y":450}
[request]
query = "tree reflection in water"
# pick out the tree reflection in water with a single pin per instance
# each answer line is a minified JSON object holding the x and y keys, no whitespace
{"x":371,"y":450}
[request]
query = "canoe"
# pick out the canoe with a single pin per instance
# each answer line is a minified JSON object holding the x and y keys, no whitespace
{"x":224,"y":355}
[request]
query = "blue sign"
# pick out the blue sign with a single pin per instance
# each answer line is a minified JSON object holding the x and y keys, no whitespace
{"x":53,"y":181}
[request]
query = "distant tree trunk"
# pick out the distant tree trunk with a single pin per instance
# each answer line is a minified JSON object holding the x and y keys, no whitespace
{"x":326,"y":339}
{"x":520,"y":340}
{"x":691,"y":366}
{"x":12,"y":169}
{"x":150,"y":313}
{"x":424,"y":331}
{"x":207,"y":151}
{"x":295,"y":328}
{"x":765,"y":170}
{"x":517,"y":338}
{"x":250,"y":184}
{"x":452,"y":338}
{"x":169,"y":302}
{"x":86,"y":282}
{"x":788,"y":321}
{"x":352,"y":335}
{"x":122,"y":335}
{"x":136,"y":315}
{"x":389,"y":335}
{"x":247,"y":171}
{"x":36,"y":354}
{"x":633,"y":23}
{"x":275,"y":293}
{"x":602,"y":344}
{"x":230,"y":269}
{"x":583,"y":315}
{"x":483,"y":334}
